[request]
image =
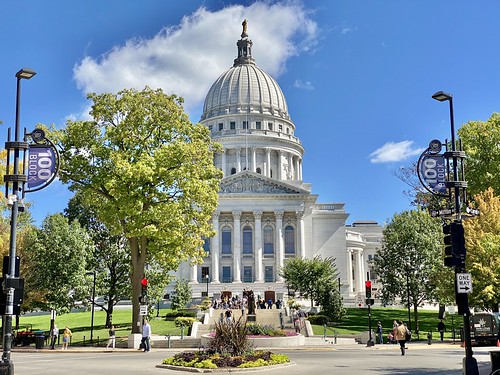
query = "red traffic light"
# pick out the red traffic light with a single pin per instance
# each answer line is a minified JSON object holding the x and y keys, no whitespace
{"x":144,"y":282}
{"x":368,"y":284}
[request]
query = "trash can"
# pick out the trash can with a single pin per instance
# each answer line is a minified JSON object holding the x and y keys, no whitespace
{"x":39,"y":339}
{"x":495,"y":360}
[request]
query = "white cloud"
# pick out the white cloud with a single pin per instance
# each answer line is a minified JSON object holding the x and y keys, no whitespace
{"x":187,"y":58}
{"x":307,"y":85}
{"x":394,"y":152}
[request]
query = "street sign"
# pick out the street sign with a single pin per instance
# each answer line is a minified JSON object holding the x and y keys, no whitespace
{"x":464,"y":283}
{"x":143,"y":310}
{"x":360,"y":301}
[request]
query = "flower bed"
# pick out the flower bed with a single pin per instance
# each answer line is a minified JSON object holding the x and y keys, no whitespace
{"x":203,"y":359}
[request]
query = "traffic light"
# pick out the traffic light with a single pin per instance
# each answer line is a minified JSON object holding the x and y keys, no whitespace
{"x":144,"y":291}
{"x":454,"y":245}
{"x":368,"y":289}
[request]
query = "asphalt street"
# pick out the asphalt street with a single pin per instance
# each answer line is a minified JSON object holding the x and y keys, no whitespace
{"x":420,"y":359}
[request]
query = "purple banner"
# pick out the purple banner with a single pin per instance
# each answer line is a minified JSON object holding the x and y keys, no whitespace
{"x":433,"y":172}
{"x":41,"y":165}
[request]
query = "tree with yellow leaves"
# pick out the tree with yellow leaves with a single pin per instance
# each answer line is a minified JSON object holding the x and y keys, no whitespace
{"x":482,"y":236}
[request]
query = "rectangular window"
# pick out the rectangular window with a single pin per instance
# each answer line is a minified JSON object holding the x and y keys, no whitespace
{"x":280,"y":127}
{"x":258,"y":125}
{"x":247,"y":274}
{"x":245,"y":124}
{"x":210,"y":127}
{"x":268,"y":274}
{"x":247,"y":241}
{"x":232,"y":125}
{"x":204,"y":274}
{"x":226,"y":241}
{"x":221,"y":126}
{"x":270,"y":125}
{"x":226,"y":274}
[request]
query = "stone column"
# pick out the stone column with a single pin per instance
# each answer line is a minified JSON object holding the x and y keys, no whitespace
{"x":349,"y":271}
{"x":223,"y":156}
{"x":238,"y":159}
{"x":237,"y":247}
{"x":259,"y":278}
{"x":280,"y":165}
{"x":296,"y":167}
{"x":280,"y":256}
{"x":300,"y":169}
{"x":359,"y":269}
{"x":268,"y":162}
{"x":254,"y":159}
{"x":301,"y":241}
{"x":214,"y":248}
{"x":194,"y":274}
{"x":290,"y":167}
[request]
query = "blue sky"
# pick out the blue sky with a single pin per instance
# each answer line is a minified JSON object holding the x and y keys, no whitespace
{"x":357,"y":75}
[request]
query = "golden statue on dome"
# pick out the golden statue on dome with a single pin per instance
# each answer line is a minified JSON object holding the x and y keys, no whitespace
{"x":244,"y":24}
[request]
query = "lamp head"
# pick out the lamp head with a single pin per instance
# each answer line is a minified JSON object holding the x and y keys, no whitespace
{"x":25,"y":73}
{"x":442,"y":96}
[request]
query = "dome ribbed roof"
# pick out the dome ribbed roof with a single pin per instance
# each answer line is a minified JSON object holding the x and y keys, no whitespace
{"x":245,"y":88}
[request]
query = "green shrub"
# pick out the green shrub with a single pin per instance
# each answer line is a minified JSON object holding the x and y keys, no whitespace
{"x":318,"y":319}
{"x":184,"y":321}
{"x":171,"y":315}
{"x":264,"y":330}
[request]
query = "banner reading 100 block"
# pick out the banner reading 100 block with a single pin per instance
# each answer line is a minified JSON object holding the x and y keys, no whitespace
{"x":41,"y":165}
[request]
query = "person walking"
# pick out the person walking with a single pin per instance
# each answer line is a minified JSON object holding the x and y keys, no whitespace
{"x":441,"y":328}
{"x":112,"y":338}
{"x":380,"y":338}
{"x":54,"y":333}
{"x":401,"y":331}
{"x":146,"y":336}
{"x":66,"y":337}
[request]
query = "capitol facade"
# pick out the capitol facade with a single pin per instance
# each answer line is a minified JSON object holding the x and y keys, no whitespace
{"x":266,"y":212}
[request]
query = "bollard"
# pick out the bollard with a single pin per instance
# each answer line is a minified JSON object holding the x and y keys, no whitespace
{"x":429,"y":338}
{"x":282,"y":323}
{"x":182,"y":331}
{"x":335,"y":333}
{"x":324,"y":332}
{"x":168,"y":341}
{"x":83,"y":341}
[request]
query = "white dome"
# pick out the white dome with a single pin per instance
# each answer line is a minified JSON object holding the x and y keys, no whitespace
{"x":245,"y":88}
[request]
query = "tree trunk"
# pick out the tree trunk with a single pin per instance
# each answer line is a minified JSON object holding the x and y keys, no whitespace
{"x":109,"y":313}
{"x":415,"y":317}
{"x":138,"y":252}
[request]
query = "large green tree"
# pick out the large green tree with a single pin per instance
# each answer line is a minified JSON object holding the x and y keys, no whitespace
{"x":410,"y":260}
{"x":110,"y":259}
{"x":481,"y":143}
{"x":315,"y":279}
{"x":148,"y":174}
{"x":58,"y":254}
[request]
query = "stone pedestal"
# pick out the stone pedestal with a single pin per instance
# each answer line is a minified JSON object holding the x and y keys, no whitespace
{"x":134,"y":341}
{"x":251,"y":318}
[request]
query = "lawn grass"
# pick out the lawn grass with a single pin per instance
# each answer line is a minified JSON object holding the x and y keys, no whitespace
{"x":356,"y":321}
{"x":80,"y":325}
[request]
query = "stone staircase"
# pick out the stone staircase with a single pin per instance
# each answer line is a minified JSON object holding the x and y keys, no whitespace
{"x":269,"y":317}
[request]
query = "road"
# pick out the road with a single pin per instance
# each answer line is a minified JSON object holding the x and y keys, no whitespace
{"x":343,"y":360}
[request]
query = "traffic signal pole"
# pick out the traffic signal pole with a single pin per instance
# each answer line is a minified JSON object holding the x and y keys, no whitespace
{"x":469,"y":362}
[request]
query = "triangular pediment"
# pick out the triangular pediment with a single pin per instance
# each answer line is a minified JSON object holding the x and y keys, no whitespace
{"x":253,"y":183}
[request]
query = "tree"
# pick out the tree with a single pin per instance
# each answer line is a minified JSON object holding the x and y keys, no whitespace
{"x":482,"y":236}
{"x":410,"y":258}
{"x":182,"y":294}
{"x":110,"y":258}
{"x":148,"y":174}
{"x":481,"y":143}
{"x":312,"y":278}
{"x":58,"y":255}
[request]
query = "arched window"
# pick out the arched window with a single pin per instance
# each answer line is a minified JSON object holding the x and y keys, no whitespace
{"x":206,"y":245}
{"x":247,"y":240}
{"x":226,"y":240}
{"x":289,"y":240}
{"x":233,"y":170}
{"x":268,"y":240}
{"x":259,"y":171}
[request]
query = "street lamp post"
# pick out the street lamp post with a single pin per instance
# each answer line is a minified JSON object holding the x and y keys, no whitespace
{"x":469,"y":363}
{"x":18,"y":180}
{"x":207,"y":278}
{"x":93,"y":307}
